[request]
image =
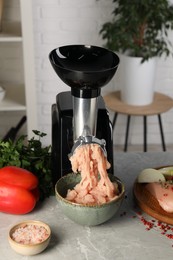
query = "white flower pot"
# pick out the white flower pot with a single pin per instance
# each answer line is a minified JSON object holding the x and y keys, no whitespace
{"x":137,"y":80}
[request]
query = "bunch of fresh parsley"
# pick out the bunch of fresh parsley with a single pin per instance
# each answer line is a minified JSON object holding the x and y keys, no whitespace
{"x":30,"y":155}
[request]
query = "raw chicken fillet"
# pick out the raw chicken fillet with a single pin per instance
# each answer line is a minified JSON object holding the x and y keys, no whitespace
{"x":163,"y":192}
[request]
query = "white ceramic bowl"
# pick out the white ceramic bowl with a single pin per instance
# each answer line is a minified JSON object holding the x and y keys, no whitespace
{"x":33,"y":248}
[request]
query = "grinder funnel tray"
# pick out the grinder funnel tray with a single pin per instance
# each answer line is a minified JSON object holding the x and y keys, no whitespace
{"x":84,"y":66}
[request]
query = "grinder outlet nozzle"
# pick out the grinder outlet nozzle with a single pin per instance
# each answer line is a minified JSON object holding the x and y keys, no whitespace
{"x":83,"y":140}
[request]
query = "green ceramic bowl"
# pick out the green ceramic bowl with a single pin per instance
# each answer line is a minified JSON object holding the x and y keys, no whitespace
{"x":89,"y":215}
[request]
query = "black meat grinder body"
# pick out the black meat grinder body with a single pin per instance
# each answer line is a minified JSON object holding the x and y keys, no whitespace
{"x":79,"y":116}
{"x":62,"y":133}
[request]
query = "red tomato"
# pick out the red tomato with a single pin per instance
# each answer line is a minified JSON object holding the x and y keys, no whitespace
{"x":15,"y":200}
{"x":19,"y":177}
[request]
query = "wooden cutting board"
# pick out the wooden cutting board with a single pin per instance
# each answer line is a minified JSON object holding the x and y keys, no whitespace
{"x":148,"y":203}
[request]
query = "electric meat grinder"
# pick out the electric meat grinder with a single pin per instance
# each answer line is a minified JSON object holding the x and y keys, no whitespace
{"x":79,"y":116}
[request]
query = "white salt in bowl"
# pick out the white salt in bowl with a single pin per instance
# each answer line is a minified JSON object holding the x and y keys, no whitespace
{"x":84,"y":214}
{"x":30,"y":248}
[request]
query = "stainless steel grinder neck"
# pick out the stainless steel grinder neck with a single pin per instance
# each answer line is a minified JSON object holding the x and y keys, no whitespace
{"x":85,"y":118}
{"x":84,"y":112}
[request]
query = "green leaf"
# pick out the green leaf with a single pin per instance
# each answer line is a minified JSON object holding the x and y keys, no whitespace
{"x":139,"y":27}
{"x":30,"y":155}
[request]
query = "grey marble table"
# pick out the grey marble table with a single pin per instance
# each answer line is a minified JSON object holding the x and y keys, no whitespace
{"x":123,"y":237}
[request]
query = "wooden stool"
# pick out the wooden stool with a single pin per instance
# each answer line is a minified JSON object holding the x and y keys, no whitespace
{"x":160,"y":104}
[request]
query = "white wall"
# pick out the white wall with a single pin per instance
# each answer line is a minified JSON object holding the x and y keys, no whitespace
{"x":11,"y":67}
{"x":63,"y":22}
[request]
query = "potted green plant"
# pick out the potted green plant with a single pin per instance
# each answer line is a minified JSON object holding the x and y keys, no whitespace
{"x":140,"y":30}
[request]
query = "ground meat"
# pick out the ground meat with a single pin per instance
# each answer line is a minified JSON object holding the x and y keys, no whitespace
{"x":95,"y":186}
